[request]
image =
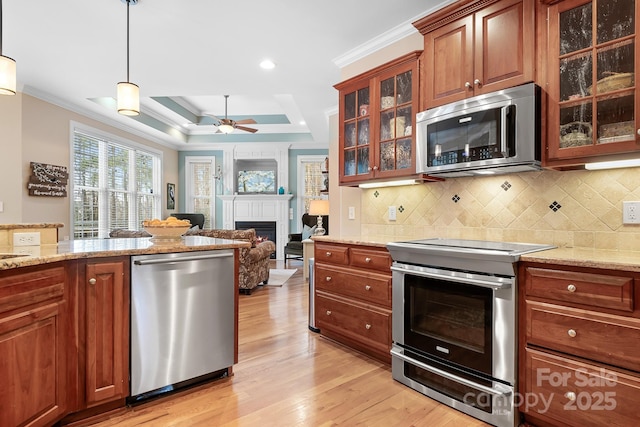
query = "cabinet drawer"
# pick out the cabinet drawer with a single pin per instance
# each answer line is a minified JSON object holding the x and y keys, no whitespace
{"x":579,"y":394}
{"x":331,"y":253}
{"x":357,"y":322}
{"x":31,"y":286}
{"x":598,"y":290}
{"x":606,"y":338}
{"x":372,"y":287}
{"x":377,"y":260}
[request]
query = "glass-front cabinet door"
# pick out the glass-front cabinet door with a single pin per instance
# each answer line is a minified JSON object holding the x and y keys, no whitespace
{"x":592,"y":79}
{"x":376,"y":119}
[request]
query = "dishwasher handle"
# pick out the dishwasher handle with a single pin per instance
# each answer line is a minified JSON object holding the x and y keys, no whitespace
{"x":181,"y":259}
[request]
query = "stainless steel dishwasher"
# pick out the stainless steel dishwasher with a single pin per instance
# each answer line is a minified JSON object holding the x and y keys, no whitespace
{"x":182,"y":319}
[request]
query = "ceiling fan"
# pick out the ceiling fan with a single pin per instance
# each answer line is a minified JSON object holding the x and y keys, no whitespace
{"x":228,"y":125}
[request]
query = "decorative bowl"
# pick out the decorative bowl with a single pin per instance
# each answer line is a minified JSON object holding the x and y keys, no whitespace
{"x":167,"y":229}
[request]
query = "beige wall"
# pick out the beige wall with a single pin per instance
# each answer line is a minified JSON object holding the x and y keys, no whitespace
{"x":43,"y":135}
{"x":11,"y":160}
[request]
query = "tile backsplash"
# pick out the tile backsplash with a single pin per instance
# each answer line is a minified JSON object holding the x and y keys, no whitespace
{"x":567,"y":209}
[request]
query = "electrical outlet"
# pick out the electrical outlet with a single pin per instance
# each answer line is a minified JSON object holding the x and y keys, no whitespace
{"x":352,"y":212}
{"x":26,"y":239}
{"x":392,"y":213}
{"x":631,"y":212}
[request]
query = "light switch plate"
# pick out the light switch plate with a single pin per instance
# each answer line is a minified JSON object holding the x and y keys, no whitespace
{"x":352,"y":212}
{"x":392,"y":213}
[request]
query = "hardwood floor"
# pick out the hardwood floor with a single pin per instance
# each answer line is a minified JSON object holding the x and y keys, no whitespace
{"x":290,"y":376}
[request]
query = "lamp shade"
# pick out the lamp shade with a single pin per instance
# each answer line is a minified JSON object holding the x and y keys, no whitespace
{"x":7,"y":76}
{"x":319,"y":207}
{"x":128,"y":99}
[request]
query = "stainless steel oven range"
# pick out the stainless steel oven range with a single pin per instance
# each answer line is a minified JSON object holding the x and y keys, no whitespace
{"x":454,"y":323}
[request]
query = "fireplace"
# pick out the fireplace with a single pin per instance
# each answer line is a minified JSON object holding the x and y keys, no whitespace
{"x":265,"y":229}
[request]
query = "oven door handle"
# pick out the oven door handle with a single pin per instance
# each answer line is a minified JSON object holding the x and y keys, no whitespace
{"x":467,"y":280}
{"x":450,"y":376}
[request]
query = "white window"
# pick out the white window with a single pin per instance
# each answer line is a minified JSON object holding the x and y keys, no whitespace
{"x":200,"y":187}
{"x":312,"y":183}
{"x":116,"y":183}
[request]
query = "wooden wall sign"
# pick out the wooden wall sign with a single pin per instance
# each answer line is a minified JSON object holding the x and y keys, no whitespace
{"x":48,"y":180}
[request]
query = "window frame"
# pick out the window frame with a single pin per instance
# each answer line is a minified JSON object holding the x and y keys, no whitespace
{"x":310,"y":158}
{"x":106,"y":139}
{"x":189,"y":197}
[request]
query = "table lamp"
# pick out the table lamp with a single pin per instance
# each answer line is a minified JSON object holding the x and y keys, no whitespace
{"x":319,"y":207}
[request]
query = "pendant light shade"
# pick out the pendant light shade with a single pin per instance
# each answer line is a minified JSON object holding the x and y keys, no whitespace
{"x":128,"y":93}
{"x":128,"y":99}
{"x":225,"y":128}
{"x":7,"y":68}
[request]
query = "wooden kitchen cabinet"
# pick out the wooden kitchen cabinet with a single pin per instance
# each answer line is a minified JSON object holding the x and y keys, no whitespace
{"x":105,"y":285}
{"x":477,"y":47}
{"x":353,"y":296}
{"x":34,"y":345}
{"x":591,"y":82}
{"x":376,"y":114}
{"x":579,"y":334}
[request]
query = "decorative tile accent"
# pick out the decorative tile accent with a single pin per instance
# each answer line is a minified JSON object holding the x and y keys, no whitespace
{"x":376,"y":194}
{"x":506,"y":186}
{"x":455,"y":198}
{"x":401,"y":209}
{"x":555,"y":206}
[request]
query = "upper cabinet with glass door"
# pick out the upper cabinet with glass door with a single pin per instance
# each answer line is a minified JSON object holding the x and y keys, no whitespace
{"x":377,"y":111}
{"x":592,"y":81}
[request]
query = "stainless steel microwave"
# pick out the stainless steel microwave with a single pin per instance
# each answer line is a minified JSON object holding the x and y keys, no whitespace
{"x":493,"y":133}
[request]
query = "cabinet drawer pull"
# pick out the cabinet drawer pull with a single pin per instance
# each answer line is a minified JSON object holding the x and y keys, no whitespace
{"x":572,"y":333}
{"x":328,"y":312}
{"x":328,"y":278}
{"x":570,"y":395}
{"x":367,"y":259}
{"x":92,"y":281}
{"x":467,"y":85}
{"x":328,"y":253}
{"x":571,"y":287}
{"x":638,"y":132}
{"x":477,"y":82}
{"x":367,"y":288}
{"x":367,"y":326}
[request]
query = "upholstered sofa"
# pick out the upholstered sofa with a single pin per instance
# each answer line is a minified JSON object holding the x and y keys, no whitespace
{"x":254,"y":261}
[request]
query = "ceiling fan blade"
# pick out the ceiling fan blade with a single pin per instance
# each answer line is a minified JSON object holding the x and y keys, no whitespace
{"x":246,"y":129}
{"x":246,"y":122}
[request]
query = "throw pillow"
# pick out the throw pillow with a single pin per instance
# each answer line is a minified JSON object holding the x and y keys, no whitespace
{"x":307,"y":231}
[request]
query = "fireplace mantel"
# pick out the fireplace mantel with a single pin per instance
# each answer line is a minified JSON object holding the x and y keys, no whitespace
{"x":259,"y":207}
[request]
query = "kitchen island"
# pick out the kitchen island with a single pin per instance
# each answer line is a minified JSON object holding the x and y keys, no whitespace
{"x":64,"y":325}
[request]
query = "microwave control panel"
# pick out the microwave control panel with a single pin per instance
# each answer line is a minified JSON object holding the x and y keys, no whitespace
{"x":462,"y":156}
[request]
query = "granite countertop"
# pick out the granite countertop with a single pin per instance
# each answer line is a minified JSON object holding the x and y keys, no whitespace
{"x":93,"y":248}
{"x":31,"y":225}
{"x":578,"y":257}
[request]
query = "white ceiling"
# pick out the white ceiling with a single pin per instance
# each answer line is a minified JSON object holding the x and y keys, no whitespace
{"x":186,"y":55}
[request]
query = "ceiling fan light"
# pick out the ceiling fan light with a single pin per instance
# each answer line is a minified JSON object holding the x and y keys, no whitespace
{"x":225,"y":128}
{"x":128,"y":99}
{"x":7,"y":76}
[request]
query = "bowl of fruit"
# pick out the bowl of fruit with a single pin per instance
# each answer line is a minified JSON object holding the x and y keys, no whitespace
{"x":166,"y":229}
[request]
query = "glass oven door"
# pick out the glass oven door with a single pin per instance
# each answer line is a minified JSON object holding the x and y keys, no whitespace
{"x":450,"y":321}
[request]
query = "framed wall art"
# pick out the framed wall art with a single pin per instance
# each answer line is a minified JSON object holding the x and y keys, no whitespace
{"x":171,"y":196}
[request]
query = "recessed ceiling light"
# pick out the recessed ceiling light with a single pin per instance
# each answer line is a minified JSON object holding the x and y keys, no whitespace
{"x":267,"y":64}
{"x":302,"y":123}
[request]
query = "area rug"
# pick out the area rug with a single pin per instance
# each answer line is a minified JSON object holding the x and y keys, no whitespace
{"x":278,"y":276}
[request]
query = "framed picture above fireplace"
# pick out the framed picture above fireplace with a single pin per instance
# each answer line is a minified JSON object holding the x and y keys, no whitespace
{"x":256,"y":176}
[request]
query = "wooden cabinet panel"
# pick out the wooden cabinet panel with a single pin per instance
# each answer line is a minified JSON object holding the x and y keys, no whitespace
{"x":376,"y":260}
{"x":33,"y":346}
{"x":331,"y":253}
{"x":365,"y":286}
{"x":602,"y":337}
{"x":107,"y":330}
{"x":597,"y":290}
{"x":569,"y":392}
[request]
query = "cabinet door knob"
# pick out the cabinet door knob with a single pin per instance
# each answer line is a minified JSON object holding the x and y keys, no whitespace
{"x":328,"y":278}
{"x":571,"y":287}
{"x":369,"y":168}
{"x":367,"y":288}
{"x":638,"y":132}
{"x":367,"y":259}
{"x":570,"y":395}
{"x":328,"y":312}
{"x":367,"y":326}
{"x":572,"y":333}
{"x":375,"y":168}
{"x":467,"y":85}
{"x":92,"y":281}
{"x":477,"y":82}
{"x":328,"y":254}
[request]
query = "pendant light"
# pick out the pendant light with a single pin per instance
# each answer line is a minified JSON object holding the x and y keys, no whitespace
{"x":7,"y":68}
{"x":128,"y":93}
